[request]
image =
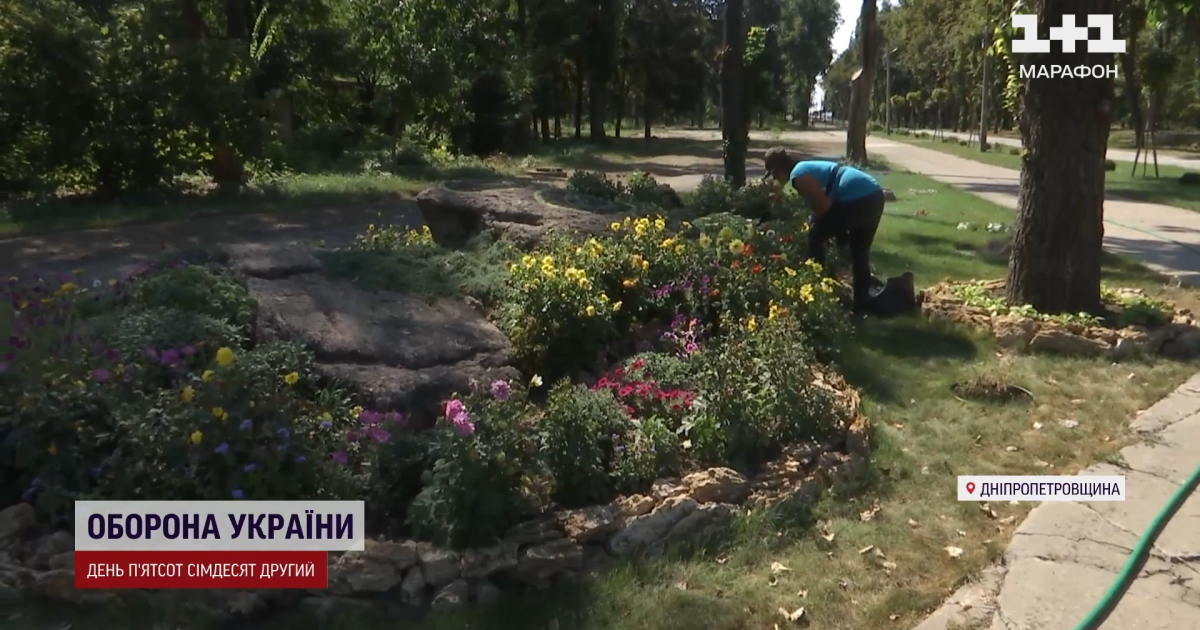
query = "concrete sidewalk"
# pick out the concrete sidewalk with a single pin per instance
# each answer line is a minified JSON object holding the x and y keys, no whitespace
{"x":1189,"y":161}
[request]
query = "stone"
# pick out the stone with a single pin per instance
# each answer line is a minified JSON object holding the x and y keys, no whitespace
{"x":847,"y":472}
{"x":1014,"y":332}
{"x":456,"y":593}
{"x":541,"y":562}
{"x":456,"y":211}
{"x":1182,"y":347}
{"x":702,"y":524}
{"x":377,"y":568}
{"x":57,"y":586}
{"x":1128,"y":348}
{"x":49,"y":546}
{"x":534,"y":532}
{"x":595,"y":560}
{"x":634,"y":505}
{"x":665,"y":488}
{"x":480,"y":563}
{"x":644,"y":533}
{"x":889,"y":194}
{"x":16,"y":520}
{"x":1190,"y":179}
{"x":441,"y":566}
{"x":412,"y":588}
{"x":64,"y":560}
{"x":272,"y":260}
{"x":1059,"y":341}
{"x":487,"y":593}
{"x":590,"y":524}
{"x":244,"y":603}
{"x":716,"y":485}
{"x":858,"y":436}
{"x":395,"y":351}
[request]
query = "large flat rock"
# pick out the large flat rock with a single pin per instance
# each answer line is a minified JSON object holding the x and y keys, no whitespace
{"x":526,"y":212}
{"x":397,"y":351}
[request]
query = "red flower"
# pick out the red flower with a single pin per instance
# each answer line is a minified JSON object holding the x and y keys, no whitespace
{"x":625,"y":391}
{"x":639,"y":364}
{"x":787,"y":238}
{"x":757,"y":269}
{"x":602,"y":383}
{"x":737,"y":264}
{"x":776,"y":256}
{"x":748,"y":250}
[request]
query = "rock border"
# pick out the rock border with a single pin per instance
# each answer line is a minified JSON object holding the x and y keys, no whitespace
{"x":566,"y":545}
{"x":1179,"y":339}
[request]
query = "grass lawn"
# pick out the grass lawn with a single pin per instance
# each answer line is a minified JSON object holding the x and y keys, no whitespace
{"x":1166,"y":189}
{"x":907,"y":511}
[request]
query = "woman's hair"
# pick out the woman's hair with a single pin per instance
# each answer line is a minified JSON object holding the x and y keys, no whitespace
{"x":777,"y":156}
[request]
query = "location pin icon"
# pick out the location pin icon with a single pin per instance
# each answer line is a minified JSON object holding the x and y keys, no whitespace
{"x":970,"y":487}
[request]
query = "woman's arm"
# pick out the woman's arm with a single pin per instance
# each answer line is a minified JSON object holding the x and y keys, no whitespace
{"x":813,"y":193}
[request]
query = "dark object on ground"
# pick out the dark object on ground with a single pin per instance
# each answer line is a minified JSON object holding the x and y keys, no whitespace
{"x":897,"y":296}
{"x":990,"y":390}
{"x":1190,"y":179}
{"x":1110,"y":165}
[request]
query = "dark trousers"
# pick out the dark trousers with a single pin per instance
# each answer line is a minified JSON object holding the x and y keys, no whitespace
{"x":854,"y":223}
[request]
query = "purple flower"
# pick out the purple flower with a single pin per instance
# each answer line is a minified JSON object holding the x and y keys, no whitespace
{"x":151,"y":354}
{"x":453,"y":408}
{"x":501,"y":390}
{"x":341,"y":457}
{"x":101,"y":375}
{"x":395,"y":417}
{"x":370,"y":418}
{"x":111,"y":355}
{"x":222,"y":449}
{"x":326,"y":425}
{"x":65,"y":277}
{"x":250,"y":468}
{"x":691,"y":348}
{"x":246,"y":425}
{"x":189,"y":351}
{"x":169,"y":357}
{"x":379,"y":435}
{"x":284,"y":433}
{"x":462,"y":424}
{"x":237,"y":494}
{"x":300,"y":459}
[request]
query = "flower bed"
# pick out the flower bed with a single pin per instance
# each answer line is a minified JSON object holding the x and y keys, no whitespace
{"x":1133,"y":324}
{"x":670,"y":376}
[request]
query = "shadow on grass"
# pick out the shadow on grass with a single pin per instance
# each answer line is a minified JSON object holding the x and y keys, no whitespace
{"x":886,"y":353}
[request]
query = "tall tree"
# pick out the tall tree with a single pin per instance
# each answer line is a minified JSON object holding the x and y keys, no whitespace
{"x":733,"y":129}
{"x":869,"y":37}
{"x":1055,"y":260}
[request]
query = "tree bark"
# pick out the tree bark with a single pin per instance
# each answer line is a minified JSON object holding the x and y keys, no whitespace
{"x":860,"y":88}
{"x":1129,"y":27}
{"x":733,"y":131}
{"x":1055,"y":262}
{"x":579,"y":96}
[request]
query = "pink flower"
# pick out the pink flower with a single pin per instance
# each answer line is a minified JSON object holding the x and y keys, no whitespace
{"x":453,"y":408}
{"x":462,"y":424}
{"x":341,"y":457}
{"x":501,"y":390}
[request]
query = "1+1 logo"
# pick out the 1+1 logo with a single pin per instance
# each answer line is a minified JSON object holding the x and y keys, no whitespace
{"x":1069,"y":34}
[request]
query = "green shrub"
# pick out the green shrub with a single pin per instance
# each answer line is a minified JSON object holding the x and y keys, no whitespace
{"x":594,"y":184}
{"x":1110,"y":165}
{"x":576,"y":436}
{"x":1014,"y":151}
{"x":198,"y":289}
{"x":486,"y":474}
{"x":131,"y":332}
{"x":642,"y":188}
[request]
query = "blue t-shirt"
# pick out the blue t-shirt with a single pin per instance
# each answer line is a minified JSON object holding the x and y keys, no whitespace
{"x":852,"y":183}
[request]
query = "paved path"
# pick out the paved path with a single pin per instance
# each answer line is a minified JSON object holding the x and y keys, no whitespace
{"x":1165,"y":238}
{"x":1182,"y":160}
{"x":1065,"y":556}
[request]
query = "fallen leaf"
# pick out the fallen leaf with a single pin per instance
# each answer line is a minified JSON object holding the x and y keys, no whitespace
{"x":1077,"y":401}
{"x":773,"y":581}
{"x":722,"y":559}
{"x":878,"y":553}
{"x":869,"y":514}
{"x":793,"y":616}
{"x":802,"y":593}
{"x":954,"y":552}
{"x":1010,"y":449}
{"x":844,"y":583}
{"x":828,"y":537}
{"x":912,"y":523}
{"x":778,"y":568}
{"x":681,"y":585}
{"x":889,"y":565}
{"x":1008,"y":519}
{"x":893,"y":617}
{"x":1070,"y":424}
{"x":865,"y":549}
{"x":987,"y":509}
{"x":898,"y":427}
{"x":1037,"y":425}
{"x":961,"y":534}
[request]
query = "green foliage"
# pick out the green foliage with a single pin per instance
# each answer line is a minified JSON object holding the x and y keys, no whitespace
{"x":198,"y":289}
{"x":595,"y":184}
{"x":131,"y":331}
{"x":486,"y":474}
{"x":577,"y":435}
{"x":979,"y":295}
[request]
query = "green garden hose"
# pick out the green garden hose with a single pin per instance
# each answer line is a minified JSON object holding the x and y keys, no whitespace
{"x":1139,"y":556}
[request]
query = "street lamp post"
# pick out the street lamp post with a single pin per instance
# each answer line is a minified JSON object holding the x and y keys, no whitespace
{"x":887,"y":88}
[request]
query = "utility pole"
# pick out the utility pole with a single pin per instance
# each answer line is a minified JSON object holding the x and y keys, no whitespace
{"x":983,"y":91}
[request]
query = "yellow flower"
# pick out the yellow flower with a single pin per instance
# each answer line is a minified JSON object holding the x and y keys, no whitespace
{"x":687,"y":225}
{"x":207,"y":376}
{"x":668,"y":244}
{"x":292,"y":378}
{"x":679,"y":249}
{"x":629,"y":283}
{"x":197,"y":437}
{"x":705,"y":240}
{"x":578,"y":251}
{"x":68,"y":287}
{"x":641,"y":226}
{"x":590,"y":310}
{"x":219,"y":413}
{"x":725,"y":233}
{"x":326,"y":416}
{"x":615,"y":226}
{"x":594,"y":247}
{"x":53,"y":449}
{"x":617,"y":306}
{"x":225,"y":357}
{"x":645,"y":265}
{"x":356,"y":411}
{"x":814,"y":265}
{"x":547,"y":261}
{"x":112,"y":283}
{"x":637,"y":260}
{"x":660,"y":224}
{"x":187,"y":394}
{"x":253,"y":404}
{"x":776,"y":311}
{"x":806,"y":294}
{"x":513,"y":266}
{"x":604,"y":297}
{"x":528,"y":261}
{"x":536,"y":381}
{"x":752,"y":324}
{"x":736,"y":246}
{"x":789,"y":271}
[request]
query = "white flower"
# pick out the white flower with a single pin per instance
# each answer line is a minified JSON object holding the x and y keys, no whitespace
{"x":536,"y":381}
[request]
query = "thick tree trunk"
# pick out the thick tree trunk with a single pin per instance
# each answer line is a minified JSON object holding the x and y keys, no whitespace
{"x":546,"y":129}
{"x":597,"y":93}
{"x":733,"y":131}
{"x":1055,"y":262}
{"x":578,"y":98}
{"x":860,"y":87}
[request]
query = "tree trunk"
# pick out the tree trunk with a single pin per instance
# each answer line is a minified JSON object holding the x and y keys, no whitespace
{"x":1129,"y":27}
{"x":546,"y":129}
{"x":596,"y":106}
{"x":732,"y":131}
{"x":860,"y":87}
{"x":1055,"y":262}
{"x":556,"y":103}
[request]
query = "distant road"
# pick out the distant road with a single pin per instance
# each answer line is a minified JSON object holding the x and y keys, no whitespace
{"x":1117,"y":155}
